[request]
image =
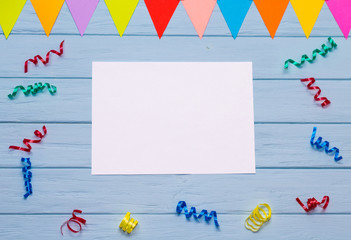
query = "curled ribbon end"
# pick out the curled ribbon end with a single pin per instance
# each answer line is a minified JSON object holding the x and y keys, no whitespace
{"x":76,"y":220}
{"x":182,"y":206}
{"x":128,"y":224}
{"x":312,"y":203}
{"x":320,"y":145}
{"x":44,"y":61}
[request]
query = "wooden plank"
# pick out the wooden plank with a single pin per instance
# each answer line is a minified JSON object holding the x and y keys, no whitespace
{"x":275,"y":101}
{"x":180,"y":24}
{"x":307,"y":226}
{"x":277,"y":146}
{"x":268,"y":56}
{"x":60,"y":190}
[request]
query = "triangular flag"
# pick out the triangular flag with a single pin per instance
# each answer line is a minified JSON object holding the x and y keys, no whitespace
{"x":161,"y":12}
{"x":47,"y":12}
{"x":307,"y":12}
{"x":272,"y":12}
{"x":9,"y":13}
{"x":82,"y":11}
{"x":341,"y":10}
{"x":199,"y":12}
{"x":121,"y":12}
{"x":234,"y":13}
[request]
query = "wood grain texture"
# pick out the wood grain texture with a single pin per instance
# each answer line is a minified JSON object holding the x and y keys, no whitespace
{"x":268,"y":56}
{"x":231,"y":193}
{"x":72,"y":102}
{"x":277,"y":146}
{"x":172,"y":226}
{"x":74,"y":96}
{"x":285,"y":113}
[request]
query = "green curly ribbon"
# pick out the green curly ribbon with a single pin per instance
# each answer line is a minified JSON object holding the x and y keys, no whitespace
{"x":305,"y":58}
{"x":38,"y":87}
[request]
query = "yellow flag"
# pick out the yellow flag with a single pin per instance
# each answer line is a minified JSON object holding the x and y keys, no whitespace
{"x":9,"y":13}
{"x":121,"y":12}
{"x":307,"y":12}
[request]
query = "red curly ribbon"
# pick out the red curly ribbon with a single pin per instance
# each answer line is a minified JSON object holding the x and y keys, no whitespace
{"x":35,"y":60}
{"x":76,"y":220}
{"x":310,"y":87}
{"x":27,"y":141}
{"x":312,"y":203}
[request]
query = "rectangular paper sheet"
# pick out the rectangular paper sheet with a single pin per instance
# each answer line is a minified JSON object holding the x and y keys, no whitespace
{"x":172,"y":118}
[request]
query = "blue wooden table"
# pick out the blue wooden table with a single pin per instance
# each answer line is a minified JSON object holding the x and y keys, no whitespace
{"x":285,"y":113}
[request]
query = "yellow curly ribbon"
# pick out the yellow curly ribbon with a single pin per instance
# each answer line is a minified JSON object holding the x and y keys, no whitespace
{"x":258,"y":217}
{"x":128,"y":225}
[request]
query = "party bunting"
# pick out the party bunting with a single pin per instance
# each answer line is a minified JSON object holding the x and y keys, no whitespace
{"x":9,"y":13}
{"x":161,"y":12}
{"x":47,"y":12}
{"x":307,"y":12}
{"x":234,"y":13}
{"x":121,"y":12}
{"x":82,"y":11}
{"x":272,"y":12}
{"x":341,"y":10}
{"x":199,"y":12}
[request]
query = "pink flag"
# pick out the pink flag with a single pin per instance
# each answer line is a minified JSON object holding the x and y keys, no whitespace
{"x":82,"y":11}
{"x":199,"y":12}
{"x":341,"y":10}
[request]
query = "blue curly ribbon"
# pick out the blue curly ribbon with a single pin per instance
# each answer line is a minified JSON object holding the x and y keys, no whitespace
{"x":27,"y":175}
{"x":320,"y":145}
{"x":182,"y":206}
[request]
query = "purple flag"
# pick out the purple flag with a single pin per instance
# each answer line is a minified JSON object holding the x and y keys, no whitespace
{"x":82,"y":11}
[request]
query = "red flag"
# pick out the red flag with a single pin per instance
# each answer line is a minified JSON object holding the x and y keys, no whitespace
{"x":161,"y":12}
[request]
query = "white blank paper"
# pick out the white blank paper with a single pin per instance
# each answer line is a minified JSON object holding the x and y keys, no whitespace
{"x":172,"y":118}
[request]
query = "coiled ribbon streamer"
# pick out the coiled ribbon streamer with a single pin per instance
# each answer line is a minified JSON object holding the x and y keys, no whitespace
{"x":305,"y":58}
{"x":320,"y":145}
{"x":35,"y":60}
{"x":316,"y":97}
{"x":76,"y":220}
{"x":261,"y":214}
{"x":127,"y":224}
{"x":38,"y":87}
{"x":27,"y":141}
{"x":312,"y":203}
{"x":27,"y":175}
{"x":182,"y":206}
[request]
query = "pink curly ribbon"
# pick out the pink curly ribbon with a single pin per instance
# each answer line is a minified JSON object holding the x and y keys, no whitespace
{"x":35,"y":60}
{"x":316,"y":97}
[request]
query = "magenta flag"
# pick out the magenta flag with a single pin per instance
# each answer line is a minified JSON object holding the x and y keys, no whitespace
{"x":341,"y":10}
{"x":82,"y":11}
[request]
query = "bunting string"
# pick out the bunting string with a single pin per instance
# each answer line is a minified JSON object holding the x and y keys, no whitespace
{"x":316,"y":97}
{"x":26,"y":142}
{"x":320,"y":145}
{"x":35,"y":60}
{"x":38,"y":87}
{"x":182,"y":206}
{"x":305,"y":58}
{"x":312,"y":203}
{"x":27,"y":175}
{"x":161,"y":12}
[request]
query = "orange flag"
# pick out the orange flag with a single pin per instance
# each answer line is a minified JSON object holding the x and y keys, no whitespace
{"x":47,"y":11}
{"x":272,"y":12}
